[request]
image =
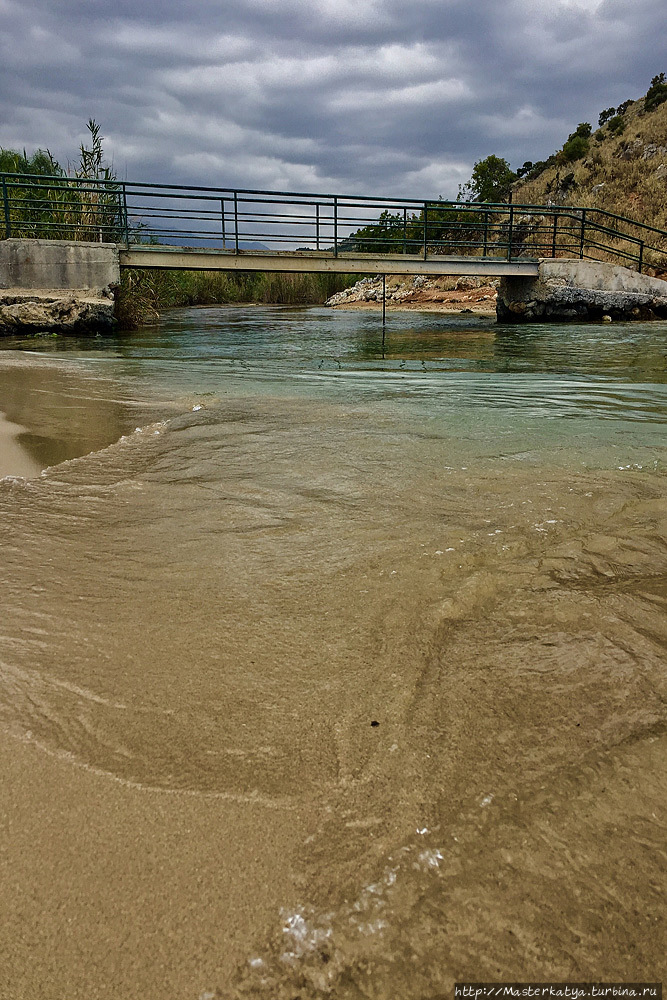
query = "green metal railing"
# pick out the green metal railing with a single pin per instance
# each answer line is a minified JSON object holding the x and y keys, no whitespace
{"x":234,"y":220}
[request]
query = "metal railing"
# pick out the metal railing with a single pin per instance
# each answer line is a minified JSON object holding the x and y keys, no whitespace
{"x":236,"y":221}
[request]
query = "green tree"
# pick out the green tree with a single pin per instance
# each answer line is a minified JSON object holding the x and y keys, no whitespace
{"x":657,"y":93}
{"x":491,"y":180}
{"x":575,"y":148}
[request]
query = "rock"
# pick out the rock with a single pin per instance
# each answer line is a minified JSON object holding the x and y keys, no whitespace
{"x":631,"y":150}
{"x":467,"y":282}
{"x":58,"y":311}
{"x":651,"y":149}
{"x":607,"y":318}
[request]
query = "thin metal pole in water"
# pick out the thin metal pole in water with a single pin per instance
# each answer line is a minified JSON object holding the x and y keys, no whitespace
{"x":384,"y":310}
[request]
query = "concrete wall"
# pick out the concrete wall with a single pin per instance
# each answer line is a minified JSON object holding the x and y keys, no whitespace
{"x":581,"y":290}
{"x":36,"y":265}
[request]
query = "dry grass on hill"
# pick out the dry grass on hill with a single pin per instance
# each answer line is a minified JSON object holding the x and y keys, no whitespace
{"x":624,"y":174}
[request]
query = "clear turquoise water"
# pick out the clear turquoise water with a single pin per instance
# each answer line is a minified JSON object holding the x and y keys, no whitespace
{"x":592,"y":393}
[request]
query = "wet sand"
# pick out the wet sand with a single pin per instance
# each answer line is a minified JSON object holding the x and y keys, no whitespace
{"x":471,"y":306}
{"x":14,"y":459}
{"x":113,"y":891}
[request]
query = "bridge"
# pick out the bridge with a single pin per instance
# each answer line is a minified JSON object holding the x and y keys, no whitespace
{"x":209,"y":228}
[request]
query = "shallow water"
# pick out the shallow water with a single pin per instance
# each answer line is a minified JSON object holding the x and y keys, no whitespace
{"x":415,"y":594}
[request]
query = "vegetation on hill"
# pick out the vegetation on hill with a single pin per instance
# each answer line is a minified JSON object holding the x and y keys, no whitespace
{"x":621,"y":166}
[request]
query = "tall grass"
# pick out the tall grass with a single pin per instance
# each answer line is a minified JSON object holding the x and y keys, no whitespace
{"x":143,"y":294}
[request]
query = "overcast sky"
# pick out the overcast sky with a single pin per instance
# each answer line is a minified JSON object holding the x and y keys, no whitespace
{"x":394,"y":97}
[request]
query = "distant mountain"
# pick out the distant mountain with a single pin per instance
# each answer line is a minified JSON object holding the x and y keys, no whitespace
{"x":192,"y":242}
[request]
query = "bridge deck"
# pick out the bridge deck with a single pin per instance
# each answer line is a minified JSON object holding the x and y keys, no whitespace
{"x":177,"y":258}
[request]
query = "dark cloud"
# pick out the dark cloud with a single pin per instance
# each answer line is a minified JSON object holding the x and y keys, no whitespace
{"x":347,"y":95}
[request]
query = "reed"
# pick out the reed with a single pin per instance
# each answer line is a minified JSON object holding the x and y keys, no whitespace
{"x":144,"y":294}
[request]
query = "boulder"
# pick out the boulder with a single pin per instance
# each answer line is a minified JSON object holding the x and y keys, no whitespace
{"x":58,"y":312}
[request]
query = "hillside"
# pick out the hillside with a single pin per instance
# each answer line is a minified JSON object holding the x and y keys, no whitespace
{"x":622,"y":167}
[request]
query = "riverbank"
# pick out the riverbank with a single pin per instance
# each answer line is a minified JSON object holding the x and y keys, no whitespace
{"x":143,"y":294}
{"x":420,"y":293}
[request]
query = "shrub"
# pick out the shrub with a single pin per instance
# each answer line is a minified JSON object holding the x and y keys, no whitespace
{"x":575,"y":148}
{"x":605,"y":116}
{"x":616,"y":125}
{"x":656,"y":94}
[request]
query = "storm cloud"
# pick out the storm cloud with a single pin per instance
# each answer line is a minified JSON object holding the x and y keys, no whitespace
{"x":398,"y":97}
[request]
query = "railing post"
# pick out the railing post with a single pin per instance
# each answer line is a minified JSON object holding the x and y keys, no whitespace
{"x":486,"y":233}
{"x":405,"y":230}
{"x":236,"y":221}
{"x":582,"y":236}
{"x":222,"y":218}
{"x":126,"y":222}
{"x":317,"y":225}
{"x":425,"y":226}
{"x":553,"y":238}
{"x":335,"y":221}
{"x":641,"y":255}
{"x":510,"y":233}
{"x":5,"y":201}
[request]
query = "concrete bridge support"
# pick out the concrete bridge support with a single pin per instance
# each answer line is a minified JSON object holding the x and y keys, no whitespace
{"x":57,"y":285}
{"x":571,"y":290}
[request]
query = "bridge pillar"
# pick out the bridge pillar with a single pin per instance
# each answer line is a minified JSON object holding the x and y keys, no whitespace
{"x":570,"y":290}
{"x":57,"y":285}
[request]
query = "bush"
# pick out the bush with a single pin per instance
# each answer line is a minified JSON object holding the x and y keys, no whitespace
{"x":656,"y":94}
{"x":605,"y":116}
{"x":616,"y":125}
{"x":582,"y":131}
{"x":575,"y":148}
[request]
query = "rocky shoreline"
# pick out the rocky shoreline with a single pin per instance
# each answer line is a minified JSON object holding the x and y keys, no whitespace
{"x":565,"y":290}
{"x":420,"y":292}
{"x":55,"y":311}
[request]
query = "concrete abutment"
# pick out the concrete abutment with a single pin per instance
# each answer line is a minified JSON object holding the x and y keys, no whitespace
{"x":57,"y":285}
{"x":581,"y":290}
